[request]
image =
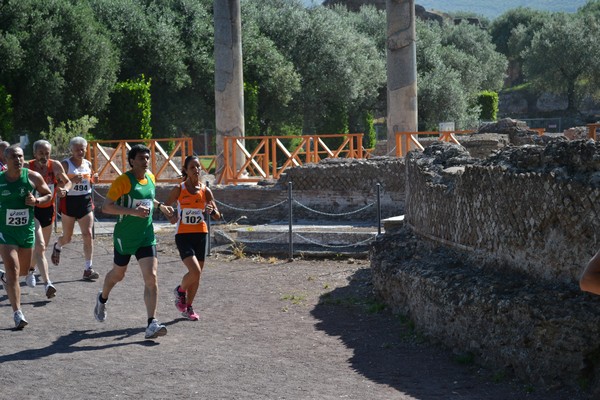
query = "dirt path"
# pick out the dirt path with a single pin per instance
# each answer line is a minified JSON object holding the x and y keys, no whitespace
{"x":269,"y":329}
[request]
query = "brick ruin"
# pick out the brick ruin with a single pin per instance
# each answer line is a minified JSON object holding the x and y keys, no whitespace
{"x":489,"y":256}
{"x":334,"y":186}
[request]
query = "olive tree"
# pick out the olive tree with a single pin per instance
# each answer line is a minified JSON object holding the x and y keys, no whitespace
{"x":562,"y":56}
{"x":169,"y":42}
{"x":454,"y":64}
{"x":338,"y":66}
{"x":56,"y":61}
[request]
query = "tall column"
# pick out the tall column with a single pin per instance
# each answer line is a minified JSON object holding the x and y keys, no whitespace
{"x":401,"y":70}
{"x":229,"y":80}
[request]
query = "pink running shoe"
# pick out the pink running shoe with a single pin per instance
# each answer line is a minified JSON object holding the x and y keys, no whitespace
{"x":190,"y":314}
{"x":180,"y":301}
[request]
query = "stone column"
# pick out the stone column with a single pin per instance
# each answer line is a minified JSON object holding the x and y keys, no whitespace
{"x":229,"y":81}
{"x":401,"y":70}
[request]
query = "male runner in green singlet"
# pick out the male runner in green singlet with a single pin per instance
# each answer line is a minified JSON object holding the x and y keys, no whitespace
{"x":131,"y":197}
{"x":17,"y":226}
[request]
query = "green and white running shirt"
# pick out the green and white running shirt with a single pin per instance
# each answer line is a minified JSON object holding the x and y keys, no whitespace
{"x":133,"y":232}
{"x":17,"y":226}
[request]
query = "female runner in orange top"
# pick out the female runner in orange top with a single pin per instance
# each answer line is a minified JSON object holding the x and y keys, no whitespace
{"x":194,"y":201}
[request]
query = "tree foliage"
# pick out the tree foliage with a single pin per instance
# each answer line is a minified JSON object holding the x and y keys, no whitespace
{"x":338,"y":67}
{"x":60,"y":134}
{"x":6,"y":114}
{"x":308,"y":70}
{"x":170,"y":42}
{"x":57,"y":60}
{"x":562,"y":56}
{"x":275,"y":79}
{"x":521,"y":20}
{"x":454,"y":63}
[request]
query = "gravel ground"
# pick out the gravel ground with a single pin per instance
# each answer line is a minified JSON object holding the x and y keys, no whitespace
{"x":269,"y":329}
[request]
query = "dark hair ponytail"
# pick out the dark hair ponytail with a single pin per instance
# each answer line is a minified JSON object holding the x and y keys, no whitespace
{"x":187,"y":162}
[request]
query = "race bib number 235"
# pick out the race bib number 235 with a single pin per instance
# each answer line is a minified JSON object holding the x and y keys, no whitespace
{"x":17,"y":217}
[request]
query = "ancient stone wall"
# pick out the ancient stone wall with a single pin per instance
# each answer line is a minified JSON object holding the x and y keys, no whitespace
{"x":514,"y":324}
{"x":535,"y":208}
{"x":488,"y":258}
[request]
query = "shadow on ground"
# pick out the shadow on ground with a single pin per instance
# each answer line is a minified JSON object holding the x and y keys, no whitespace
{"x":387,"y":350}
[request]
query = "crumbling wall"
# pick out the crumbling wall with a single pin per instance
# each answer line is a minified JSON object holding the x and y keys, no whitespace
{"x":534,"y":207}
{"x":489,"y":256}
{"x":342,"y":185}
{"x":542,"y":332}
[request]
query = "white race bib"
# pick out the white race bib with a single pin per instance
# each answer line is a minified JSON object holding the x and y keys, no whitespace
{"x":191,"y":216}
{"x":80,"y":188}
{"x":17,"y":217}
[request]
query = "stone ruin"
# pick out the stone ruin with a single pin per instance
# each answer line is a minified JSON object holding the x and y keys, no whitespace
{"x":491,"y":137}
{"x":489,"y":254}
{"x":334,"y":186}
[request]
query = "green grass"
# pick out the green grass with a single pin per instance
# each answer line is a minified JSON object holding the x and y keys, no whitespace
{"x":206,"y":164}
{"x":375,"y":307}
{"x":518,"y":88}
{"x":295,"y":299}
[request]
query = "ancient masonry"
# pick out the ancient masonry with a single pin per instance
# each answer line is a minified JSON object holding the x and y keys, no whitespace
{"x":331,"y":186}
{"x":489,"y":256}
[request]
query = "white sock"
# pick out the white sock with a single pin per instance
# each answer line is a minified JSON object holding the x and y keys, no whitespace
{"x":88,"y":264}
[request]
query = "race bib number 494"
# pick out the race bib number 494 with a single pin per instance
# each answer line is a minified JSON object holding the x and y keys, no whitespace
{"x":17,"y":217}
{"x":81,"y":187}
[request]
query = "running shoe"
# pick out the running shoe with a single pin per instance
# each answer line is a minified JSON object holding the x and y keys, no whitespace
{"x":30,"y":279}
{"x":90,"y":275}
{"x":50,"y":290}
{"x":20,"y":320}
{"x":155,"y":329}
{"x":100,"y":309}
{"x":180,"y":301}
{"x":190,"y":314}
{"x":55,"y":255}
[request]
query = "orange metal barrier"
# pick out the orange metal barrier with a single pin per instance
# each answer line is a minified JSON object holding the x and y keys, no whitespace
{"x":540,"y":131}
{"x":592,"y":130}
{"x":270,"y":157}
{"x":109,"y":158}
{"x":406,"y":141}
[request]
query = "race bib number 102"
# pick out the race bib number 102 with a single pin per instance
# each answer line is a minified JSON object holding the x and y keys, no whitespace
{"x":192,"y":216}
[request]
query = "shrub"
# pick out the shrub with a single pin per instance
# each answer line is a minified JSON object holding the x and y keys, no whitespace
{"x":489,"y":105}
{"x":370,"y":136}
{"x":130,"y":110}
{"x":60,"y":135}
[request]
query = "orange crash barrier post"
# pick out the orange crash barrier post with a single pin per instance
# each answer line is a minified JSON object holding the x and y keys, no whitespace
{"x":592,"y":130}
{"x":406,"y":141}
